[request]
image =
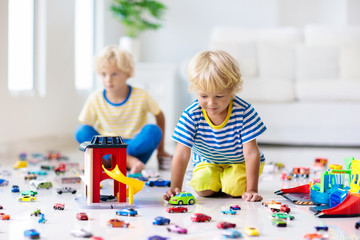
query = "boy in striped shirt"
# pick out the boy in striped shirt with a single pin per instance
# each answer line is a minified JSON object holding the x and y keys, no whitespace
{"x":121,"y":110}
{"x":218,"y":132}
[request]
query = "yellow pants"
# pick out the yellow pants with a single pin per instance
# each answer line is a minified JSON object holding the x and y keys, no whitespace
{"x":229,"y":178}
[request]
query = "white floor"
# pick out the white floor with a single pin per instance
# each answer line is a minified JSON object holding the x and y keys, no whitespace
{"x":149,"y":204}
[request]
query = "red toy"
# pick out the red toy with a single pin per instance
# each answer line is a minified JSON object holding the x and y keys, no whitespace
{"x":177,"y":209}
{"x":200,"y":217}
{"x":225,"y":225}
{"x":82,"y":216}
{"x":60,"y":168}
{"x":4,"y":216}
{"x":59,"y":206}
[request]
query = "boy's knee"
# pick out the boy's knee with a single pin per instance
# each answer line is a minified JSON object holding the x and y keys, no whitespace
{"x":206,"y":193}
{"x":154,"y":131}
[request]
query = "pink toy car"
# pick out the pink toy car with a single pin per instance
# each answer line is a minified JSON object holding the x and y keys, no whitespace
{"x":177,"y":229}
{"x":225,"y":225}
{"x":200,"y":217}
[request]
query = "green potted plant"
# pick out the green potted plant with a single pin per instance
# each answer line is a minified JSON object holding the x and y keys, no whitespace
{"x":137,"y":16}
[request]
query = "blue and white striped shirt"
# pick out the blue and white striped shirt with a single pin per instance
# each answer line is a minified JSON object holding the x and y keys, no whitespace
{"x":219,"y":145}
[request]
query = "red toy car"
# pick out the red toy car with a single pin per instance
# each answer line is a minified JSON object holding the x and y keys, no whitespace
{"x":4,"y":216}
{"x":200,"y":217}
{"x":60,"y":168}
{"x":82,"y":216}
{"x":59,"y":206}
{"x":225,"y":225}
{"x":177,"y":209}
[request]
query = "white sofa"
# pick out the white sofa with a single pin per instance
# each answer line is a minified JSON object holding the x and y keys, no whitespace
{"x":305,"y":83}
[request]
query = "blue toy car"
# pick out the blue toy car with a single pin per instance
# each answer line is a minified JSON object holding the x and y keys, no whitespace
{"x":161,"y":221}
{"x":3,"y":182}
{"x":157,"y":237}
{"x":228,"y":212}
{"x":15,"y":188}
{"x":158,"y":183}
{"x":232,"y":233}
{"x":127,"y":212}
{"x":42,"y":218}
{"x":32,"y":234}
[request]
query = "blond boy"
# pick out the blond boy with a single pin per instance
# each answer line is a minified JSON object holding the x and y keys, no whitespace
{"x":121,"y":110}
{"x":220,"y":130}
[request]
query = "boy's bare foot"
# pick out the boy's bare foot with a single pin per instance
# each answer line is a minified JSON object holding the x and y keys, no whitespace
{"x":134,"y":164}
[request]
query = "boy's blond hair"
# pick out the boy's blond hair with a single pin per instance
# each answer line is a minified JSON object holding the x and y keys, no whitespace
{"x":113,"y":54}
{"x":214,"y":71}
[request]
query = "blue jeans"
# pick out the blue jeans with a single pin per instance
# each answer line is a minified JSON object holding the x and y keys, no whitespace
{"x":141,"y":146}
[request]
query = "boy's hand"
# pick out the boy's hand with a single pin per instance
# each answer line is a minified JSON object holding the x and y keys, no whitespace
{"x":251,"y":196}
{"x":170,"y":193}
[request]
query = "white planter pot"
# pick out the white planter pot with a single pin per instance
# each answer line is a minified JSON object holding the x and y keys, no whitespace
{"x":132,"y":45}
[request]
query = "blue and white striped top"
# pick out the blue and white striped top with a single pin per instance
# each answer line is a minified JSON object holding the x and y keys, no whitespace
{"x":222,"y":145}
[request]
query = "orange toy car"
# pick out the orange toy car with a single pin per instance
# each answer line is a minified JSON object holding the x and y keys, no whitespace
{"x":117,"y":223}
{"x":4,"y":216}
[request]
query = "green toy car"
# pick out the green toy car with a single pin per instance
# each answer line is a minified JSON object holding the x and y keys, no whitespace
{"x":183,"y":198}
{"x":31,"y":193}
{"x":282,"y":215}
{"x":279,"y":222}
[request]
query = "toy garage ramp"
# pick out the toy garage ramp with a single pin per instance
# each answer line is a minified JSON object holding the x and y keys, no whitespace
{"x":350,"y":207}
{"x":134,"y":185}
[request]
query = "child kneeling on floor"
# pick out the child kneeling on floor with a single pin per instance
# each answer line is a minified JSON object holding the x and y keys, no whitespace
{"x":121,"y":110}
{"x":220,"y":130}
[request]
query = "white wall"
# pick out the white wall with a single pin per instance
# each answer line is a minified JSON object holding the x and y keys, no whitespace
{"x":54,"y":115}
{"x":185,"y":32}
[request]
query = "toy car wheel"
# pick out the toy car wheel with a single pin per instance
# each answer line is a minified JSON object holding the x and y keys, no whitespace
{"x":73,"y":192}
{"x":54,"y":207}
{"x":151,"y":184}
{"x":191,"y":201}
{"x":20,"y":200}
{"x":180,"y":202}
{"x":184,"y":211}
{"x":32,"y":200}
{"x":59,"y":192}
{"x":168,"y":184}
{"x":171,"y":211}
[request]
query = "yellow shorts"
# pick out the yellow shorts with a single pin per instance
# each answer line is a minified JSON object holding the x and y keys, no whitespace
{"x":229,"y":178}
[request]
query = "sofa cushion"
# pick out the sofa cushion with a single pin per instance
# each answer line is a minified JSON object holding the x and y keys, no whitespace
{"x":316,"y":62}
{"x":243,"y":52}
{"x":276,"y":60}
{"x":267,"y":90}
{"x":327,"y":89}
{"x":319,"y":35}
{"x":349,"y":62}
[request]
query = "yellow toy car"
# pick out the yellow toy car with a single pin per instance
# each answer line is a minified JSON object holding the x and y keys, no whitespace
{"x":26,"y":198}
{"x":20,"y":164}
{"x":251,"y":231}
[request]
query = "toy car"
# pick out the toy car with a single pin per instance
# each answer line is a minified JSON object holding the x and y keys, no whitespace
{"x":59,"y":206}
{"x":40,"y":184}
{"x":15,"y":188}
{"x":157,"y":237}
{"x":36,"y":213}
{"x":266,"y":203}
{"x":3,"y":182}
{"x":4,"y":216}
{"x":82,"y":216}
{"x":321,"y":228}
{"x":182,"y":198}
{"x":117,"y":223}
{"x":282,"y":215}
{"x":38,"y":172}
{"x":251,"y":231}
{"x":30,"y":193}
{"x":161,"y":221}
{"x":158,"y":183}
{"x":20,"y":164}
{"x":31,"y":234}
{"x":81,"y":233}
{"x":225,"y":225}
{"x":232,"y":233}
{"x":279,"y":222}
{"x":60,"y":168}
{"x":30,"y":176}
{"x":235,"y":207}
{"x":300,"y":172}
{"x":26,"y":198}
{"x":200,"y":217}
{"x":177,"y":209}
{"x":127,"y":212}
{"x":107,"y":197}
{"x":228,"y":212}
{"x":317,"y":236}
{"x":66,"y":190}
{"x":177,"y":229}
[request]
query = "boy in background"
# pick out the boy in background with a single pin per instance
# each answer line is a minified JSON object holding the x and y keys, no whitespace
{"x":121,"y":110}
{"x":220,"y":130}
